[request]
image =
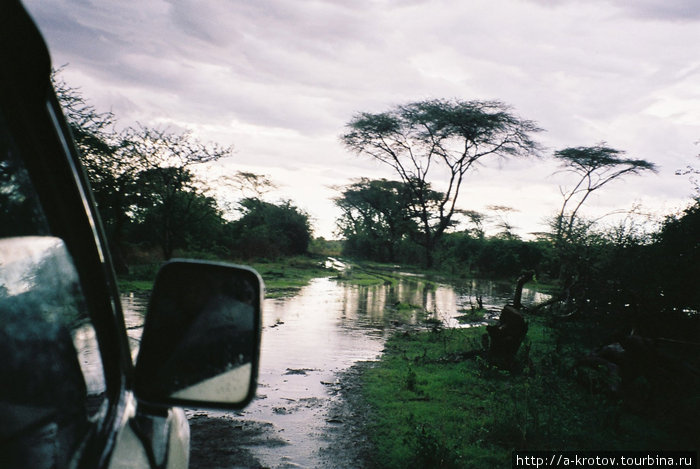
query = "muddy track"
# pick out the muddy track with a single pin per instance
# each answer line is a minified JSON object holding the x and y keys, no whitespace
{"x":227,"y":441}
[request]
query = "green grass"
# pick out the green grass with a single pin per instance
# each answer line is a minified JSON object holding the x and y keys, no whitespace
{"x":286,"y":276}
{"x":432,"y":407}
{"x":471,"y":315}
{"x":126,"y":285}
{"x":140,"y":277}
{"x":282,"y":277}
{"x":543,"y":287}
{"x":369,"y":274}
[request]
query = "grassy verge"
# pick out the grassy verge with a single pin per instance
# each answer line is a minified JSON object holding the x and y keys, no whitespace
{"x":282,"y":277}
{"x":374,"y":273}
{"x":139,"y":279}
{"x":286,"y":276}
{"x":432,"y":407}
{"x":366,"y":273}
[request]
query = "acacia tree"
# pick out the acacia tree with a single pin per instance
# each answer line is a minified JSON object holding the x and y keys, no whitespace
{"x":595,"y":167}
{"x":252,"y":185}
{"x":477,"y":219}
{"x":161,"y":147}
{"x":502,"y":221}
{"x":693,"y":172}
{"x":578,"y":250}
{"x":447,"y":137}
{"x":242,"y":185}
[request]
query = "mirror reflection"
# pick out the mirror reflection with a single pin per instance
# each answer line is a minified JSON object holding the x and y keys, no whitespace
{"x":200,"y":339}
{"x":51,"y":369}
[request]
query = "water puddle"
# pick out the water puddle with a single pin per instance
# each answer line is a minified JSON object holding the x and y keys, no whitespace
{"x":309,"y":338}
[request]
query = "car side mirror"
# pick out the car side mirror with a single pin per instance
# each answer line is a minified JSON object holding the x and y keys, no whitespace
{"x":201,"y":338}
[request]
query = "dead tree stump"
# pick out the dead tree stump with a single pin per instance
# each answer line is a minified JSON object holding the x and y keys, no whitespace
{"x":505,"y":337}
{"x":517,"y":297}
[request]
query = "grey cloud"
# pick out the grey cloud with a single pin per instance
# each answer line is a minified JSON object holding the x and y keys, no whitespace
{"x":664,"y":10}
{"x":656,"y":10}
{"x":586,"y":71}
{"x":206,"y":21}
{"x":72,"y":37}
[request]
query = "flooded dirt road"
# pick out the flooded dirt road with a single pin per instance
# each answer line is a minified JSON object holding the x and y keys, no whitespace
{"x":307,"y":341}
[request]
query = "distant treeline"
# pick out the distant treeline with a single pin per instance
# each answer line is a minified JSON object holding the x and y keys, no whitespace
{"x":155,"y":203}
{"x":620,"y":269}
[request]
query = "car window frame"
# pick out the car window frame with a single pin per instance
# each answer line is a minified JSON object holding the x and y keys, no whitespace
{"x":43,"y":139}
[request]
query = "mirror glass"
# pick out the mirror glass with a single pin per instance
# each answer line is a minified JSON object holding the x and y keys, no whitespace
{"x":201,"y":337}
{"x":51,"y":369}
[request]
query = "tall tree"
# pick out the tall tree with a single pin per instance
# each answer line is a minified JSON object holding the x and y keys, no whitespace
{"x":594,"y":167}
{"x":502,"y":221}
{"x":576,"y":245}
{"x":232,"y":189}
{"x":693,"y":172}
{"x":161,"y":147}
{"x":252,"y":185}
{"x":477,"y":220}
{"x":430,"y":140}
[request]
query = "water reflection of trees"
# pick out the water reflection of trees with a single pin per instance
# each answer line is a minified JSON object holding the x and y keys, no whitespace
{"x":375,"y":303}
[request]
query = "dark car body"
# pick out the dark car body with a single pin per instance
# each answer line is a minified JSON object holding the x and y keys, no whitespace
{"x":68,"y":392}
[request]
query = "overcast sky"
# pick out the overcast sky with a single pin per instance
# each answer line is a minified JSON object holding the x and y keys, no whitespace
{"x":279,"y":80}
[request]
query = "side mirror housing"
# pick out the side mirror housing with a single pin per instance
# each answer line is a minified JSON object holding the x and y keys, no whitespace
{"x":201,"y":338}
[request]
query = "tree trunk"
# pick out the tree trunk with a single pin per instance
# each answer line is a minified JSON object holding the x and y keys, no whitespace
{"x":524,"y":278}
{"x":429,"y":257}
{"x":505,"y":337}
{"x":120,"y":264}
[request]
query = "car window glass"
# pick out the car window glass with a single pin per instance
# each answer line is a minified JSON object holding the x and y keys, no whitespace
{"x":51,"y":370}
